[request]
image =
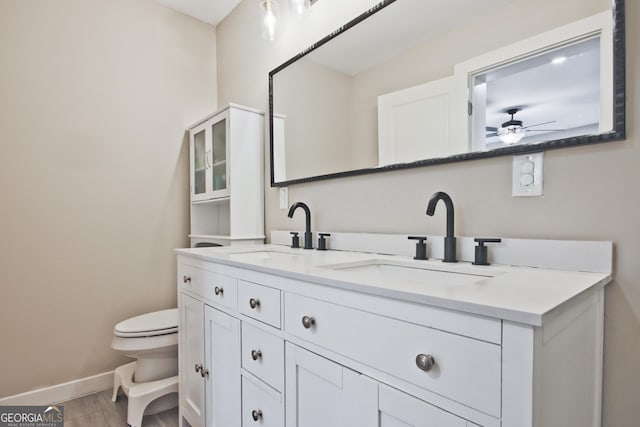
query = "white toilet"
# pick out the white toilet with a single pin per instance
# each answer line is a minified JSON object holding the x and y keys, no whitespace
{"x":151,"y":382}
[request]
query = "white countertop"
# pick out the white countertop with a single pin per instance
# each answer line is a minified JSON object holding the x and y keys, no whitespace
{"x":519,"y":294}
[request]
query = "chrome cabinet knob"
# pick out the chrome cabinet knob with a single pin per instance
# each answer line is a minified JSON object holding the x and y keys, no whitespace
{"x":204,"y":372}
{"x":256,"y":354}
{"x":256,"y":414}
{"x":186,"y":279}
{"x":198,"y":368}
{"x":308,"y":322}
{"x":425,"y":362}
{"x":218,"y":291}
{"x":254,"y":303}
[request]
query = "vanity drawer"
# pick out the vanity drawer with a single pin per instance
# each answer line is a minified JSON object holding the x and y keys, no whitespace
{"x":190,"y":279}
{"x":261,"y":405}
{"x":263,"y":355}
{"x":465,"y":370}
{"x":259,"y":302}
{"x":221,"y":289}
{"x":212,"y":286}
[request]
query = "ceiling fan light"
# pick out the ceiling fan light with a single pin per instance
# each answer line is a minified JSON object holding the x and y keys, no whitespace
{"x":511,"y":134}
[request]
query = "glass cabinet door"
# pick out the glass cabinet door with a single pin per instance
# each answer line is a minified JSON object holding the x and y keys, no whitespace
{"x":199,"y":157}
{"x":209,"y":159}
{"x":219,"y":154}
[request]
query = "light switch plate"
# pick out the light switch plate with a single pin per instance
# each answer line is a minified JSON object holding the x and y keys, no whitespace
{"x":284,"y":197}
{"x":527,"y":175}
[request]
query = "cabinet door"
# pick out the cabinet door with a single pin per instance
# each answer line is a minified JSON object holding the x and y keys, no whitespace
{"x":219,"y":128}
{"x":222,"y":368}
{"x":321,"y":393}
{"x":191,"y":352}
{"x":209,"y":151}
{"x":397,"y":409}
{"x":199,"y":150}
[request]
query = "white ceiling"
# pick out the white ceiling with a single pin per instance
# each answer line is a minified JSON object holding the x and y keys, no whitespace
{"x":210,"y":11}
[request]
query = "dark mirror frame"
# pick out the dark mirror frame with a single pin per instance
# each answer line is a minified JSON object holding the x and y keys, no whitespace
{"x":618,"y":133}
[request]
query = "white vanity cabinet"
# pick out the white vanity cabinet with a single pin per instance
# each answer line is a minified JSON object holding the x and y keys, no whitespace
{"x":464,"y":369}
{"x":397,"y":409}
{"x":263,"y":376}
{"x":283,"y":351}
{"x":221,"y":364}
{"x":191,"y":357}
{"x":209,"y":349}
{"x":325,"y":393}
{"x":322,"y":393}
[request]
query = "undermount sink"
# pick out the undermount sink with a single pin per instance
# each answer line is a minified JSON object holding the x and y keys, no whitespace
{"x":412,"y":273}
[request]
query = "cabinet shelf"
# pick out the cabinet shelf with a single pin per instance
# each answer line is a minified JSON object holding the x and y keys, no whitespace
{"x":225,"y":237}
{"x":225,"y":199}
{"x":225,"y":240}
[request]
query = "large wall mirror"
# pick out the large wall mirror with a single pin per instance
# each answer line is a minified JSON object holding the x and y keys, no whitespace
{"x":412,"y":83}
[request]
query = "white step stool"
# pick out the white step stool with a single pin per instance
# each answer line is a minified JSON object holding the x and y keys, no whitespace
{"x":140,"y":394}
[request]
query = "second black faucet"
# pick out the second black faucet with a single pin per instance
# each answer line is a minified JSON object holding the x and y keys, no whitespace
{"x":450,"y":239}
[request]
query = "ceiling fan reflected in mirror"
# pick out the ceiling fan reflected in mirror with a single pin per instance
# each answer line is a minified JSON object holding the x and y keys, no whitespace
{"x":512,"y":131}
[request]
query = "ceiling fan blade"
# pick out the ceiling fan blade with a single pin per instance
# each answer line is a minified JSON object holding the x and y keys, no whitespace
{"x":489,"y":135}
{"x":539,"y":124}
{"x":491,"y":129}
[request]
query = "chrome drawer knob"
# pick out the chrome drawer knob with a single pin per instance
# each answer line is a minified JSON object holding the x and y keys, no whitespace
{"x":198,"y":368}
{"x":186,"y":279}
{"x":308,"y":322}
{"x":254,"y":303}
{"x":204,"y":372}
{"x":256,"y":354}
{"x":256,"y":415}
{"x":218,"y":291}
{"x":425,"y":362}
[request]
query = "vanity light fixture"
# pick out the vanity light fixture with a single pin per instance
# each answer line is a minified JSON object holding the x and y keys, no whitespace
{"x":270,"y":14}
{"x":299,"y":7}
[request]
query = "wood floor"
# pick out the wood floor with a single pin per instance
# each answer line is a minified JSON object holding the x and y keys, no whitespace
{"x":97,"y":410}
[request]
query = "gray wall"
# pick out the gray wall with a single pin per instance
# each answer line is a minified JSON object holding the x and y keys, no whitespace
{"x":589,"y":192}
{"x":95,"y":98}
{"x":323,"y":141}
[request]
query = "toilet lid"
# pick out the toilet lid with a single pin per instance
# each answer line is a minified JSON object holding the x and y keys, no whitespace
{"x":149,"y":324}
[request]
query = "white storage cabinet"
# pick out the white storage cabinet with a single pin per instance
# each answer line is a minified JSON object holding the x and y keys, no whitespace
{"x":227,"y":177}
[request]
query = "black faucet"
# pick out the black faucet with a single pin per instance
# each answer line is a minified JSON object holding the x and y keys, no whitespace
{"x":449,"y":240}
{"x":308,"y":236}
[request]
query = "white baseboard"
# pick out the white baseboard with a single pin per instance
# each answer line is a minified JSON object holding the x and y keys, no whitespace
{"x":62,"y":392}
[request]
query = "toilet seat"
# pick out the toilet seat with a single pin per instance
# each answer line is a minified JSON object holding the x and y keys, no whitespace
{"x":148,"y":325}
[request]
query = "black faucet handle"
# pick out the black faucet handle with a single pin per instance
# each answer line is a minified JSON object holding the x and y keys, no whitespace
{"x":322,"y":241}
{"x":421,"y":247}
{"x":481,"y":257}
{"x":295,"y":239}
{"x":483,"y":240}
